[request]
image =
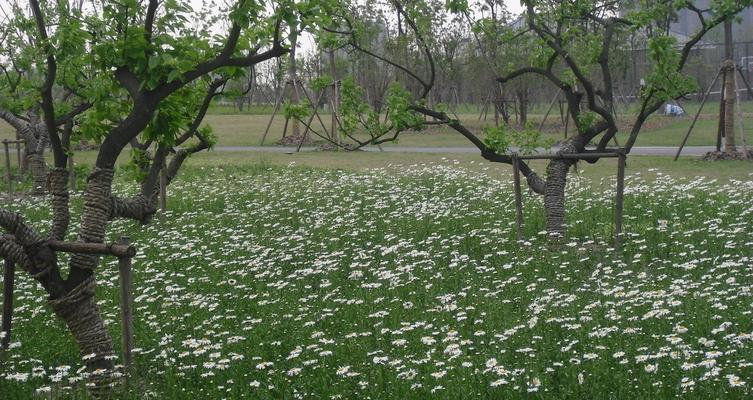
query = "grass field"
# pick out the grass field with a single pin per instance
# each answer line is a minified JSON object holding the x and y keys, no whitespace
{"x":406,"y":282}
{"x":247,"y":129}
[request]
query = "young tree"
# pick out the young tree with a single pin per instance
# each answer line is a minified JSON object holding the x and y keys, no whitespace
{"x":147,"y":57}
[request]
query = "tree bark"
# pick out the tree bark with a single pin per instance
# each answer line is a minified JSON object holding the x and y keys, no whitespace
{"x":554,"y":194}
{"x":78,"y":309}
{"x":61,"y":218}
{"x":97,"y":213}
{"x":729,"y":107}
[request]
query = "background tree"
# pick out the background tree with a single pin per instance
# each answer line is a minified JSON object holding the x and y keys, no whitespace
{"x":20,"y":101}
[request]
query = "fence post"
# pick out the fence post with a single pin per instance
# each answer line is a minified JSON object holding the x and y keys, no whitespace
{"x":619,"y":200}
{"x":8,"y":175}
{"x":518,"y":197}
{"x":126,"y":304}
{"x":8,"y":282}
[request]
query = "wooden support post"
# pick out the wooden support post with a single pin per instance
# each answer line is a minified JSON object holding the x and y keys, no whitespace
{"x":315,"y":112}
{"x":720,"y":129}
{"x":18,"y":154}
{"x":739,"y":121}
{"x":311,"y":119}
{"x":692,"y":124}
{"x":549,"y":110}
{"x":8,"y":176}
{"x":274,"y":113}
{"x":126,"y":304}
{"x":92,"y":248}
{"x":163,"y":187}
{"x":619,"y":201}
{"x":8,"y":283}
{"x":518,"y":197}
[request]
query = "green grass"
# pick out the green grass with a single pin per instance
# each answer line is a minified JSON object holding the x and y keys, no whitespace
{"x":406,"y":282}
{"x":247,"y":129}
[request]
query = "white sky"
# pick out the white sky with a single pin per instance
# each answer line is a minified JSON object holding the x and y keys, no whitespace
{"x":514,"y":6}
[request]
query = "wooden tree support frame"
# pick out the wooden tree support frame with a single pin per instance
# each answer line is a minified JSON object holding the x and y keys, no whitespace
{"x":739,"y":116}
{"x":619,"y":196}
{"x":122,"y":250}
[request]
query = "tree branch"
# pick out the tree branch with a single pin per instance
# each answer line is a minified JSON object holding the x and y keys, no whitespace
{"x":138,"y":208}
{"x":151,"y":11}
{"x":48,"y":106}
{"x":533,"y":180}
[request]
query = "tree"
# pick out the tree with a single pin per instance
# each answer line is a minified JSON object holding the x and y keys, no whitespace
{"x":19,"y":97}
{"x":147,"y":57}
{"x":574,"y":43}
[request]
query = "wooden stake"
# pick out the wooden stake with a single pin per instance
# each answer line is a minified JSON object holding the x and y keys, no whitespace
{"x":619,"y":201}
{"x":335,"y":100}
{"x":274,"y":113}
{"x":315,"y":108}
{"x":308,"y":124}
{"x":739,"y":122}
{"x":8,"y":283}
{"x":518,"y":197}
{"x":18,"y":154}
{"x":8,"y":176}
{"x":126,"y":304}
{"x":692,"y":124}
{"x":551,"y":105}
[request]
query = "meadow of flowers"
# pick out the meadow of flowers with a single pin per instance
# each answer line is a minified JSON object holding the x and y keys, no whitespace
{"x":407,"y":282}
